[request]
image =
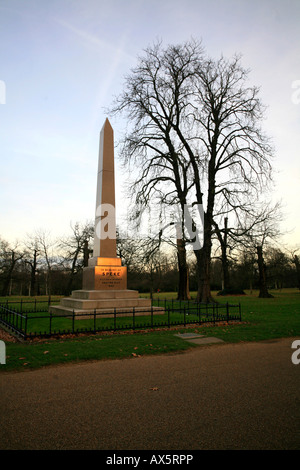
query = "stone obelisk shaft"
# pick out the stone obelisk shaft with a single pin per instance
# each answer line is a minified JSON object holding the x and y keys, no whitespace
{"x":105,"y":222}
{"x":105,"y":270}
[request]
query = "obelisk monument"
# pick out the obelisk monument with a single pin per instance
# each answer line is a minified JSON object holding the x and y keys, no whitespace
{"x":104,"y":284}
{"x":104,"y":270}
{"x":105,"y":226}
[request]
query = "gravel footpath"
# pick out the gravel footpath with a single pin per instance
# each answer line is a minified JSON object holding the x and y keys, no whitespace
{"x":223,"y":396}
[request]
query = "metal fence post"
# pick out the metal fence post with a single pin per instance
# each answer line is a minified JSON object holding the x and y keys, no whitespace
{"x":133,"y":318}
{"x":50,"y":323}
{"x":25,"y":328}
{"x":227,"y":311}
{"x":94,"y":320}
{"x":115,"y":319}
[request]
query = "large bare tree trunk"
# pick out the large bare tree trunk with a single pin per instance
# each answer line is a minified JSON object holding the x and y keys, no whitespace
{"x":204,"y":261}
{"x":297,"y":264}
{"x":263,"y":288}
{"x":204,"y":269}
{"x":183,"y":282}
{"x":225,"y":266}
{"x":203,"y":257}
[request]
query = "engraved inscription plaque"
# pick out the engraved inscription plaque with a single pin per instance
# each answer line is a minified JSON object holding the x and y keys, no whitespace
{"x":110,"y":277}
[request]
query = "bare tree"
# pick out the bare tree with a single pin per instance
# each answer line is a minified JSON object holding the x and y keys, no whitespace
{"x":295,"y":260}
{"x":195,"y":135}
{"x":297,"y":264}
{"x":74,"y":249}
{"x":46,"y":246}
{"x":279,"y":266}
{"x":10,"y":255}
{"x":237,"y":152}
{"x":31,"y":256}
{"x":130,"y":250}
{"x":261,"y":235}
{"x":247,"y":218}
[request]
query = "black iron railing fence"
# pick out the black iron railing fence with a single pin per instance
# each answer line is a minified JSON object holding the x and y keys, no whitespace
{"x":36,"y":303}
{"x":40,"y":323}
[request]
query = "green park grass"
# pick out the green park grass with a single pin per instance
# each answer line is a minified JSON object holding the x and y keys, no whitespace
{"x":262,"y":319}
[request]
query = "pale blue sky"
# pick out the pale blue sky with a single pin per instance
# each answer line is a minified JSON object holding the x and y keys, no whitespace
{"x":62,"y":61}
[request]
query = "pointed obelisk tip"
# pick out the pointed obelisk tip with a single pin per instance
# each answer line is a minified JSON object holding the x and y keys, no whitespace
{"x":107,"y":124}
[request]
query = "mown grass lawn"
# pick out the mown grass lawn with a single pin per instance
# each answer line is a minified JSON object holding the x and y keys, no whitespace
{"x":262,"y":319}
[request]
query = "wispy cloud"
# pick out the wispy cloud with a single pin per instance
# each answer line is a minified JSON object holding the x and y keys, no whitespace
{"x":113,"y":54}
{"x":96,"y":40}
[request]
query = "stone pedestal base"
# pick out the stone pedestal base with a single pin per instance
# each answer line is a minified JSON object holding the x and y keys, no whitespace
{"x":104,"y":290}
{"x":104,"y":302}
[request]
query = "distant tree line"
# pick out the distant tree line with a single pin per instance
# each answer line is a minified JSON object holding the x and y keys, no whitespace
{"x":40,"y":265}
